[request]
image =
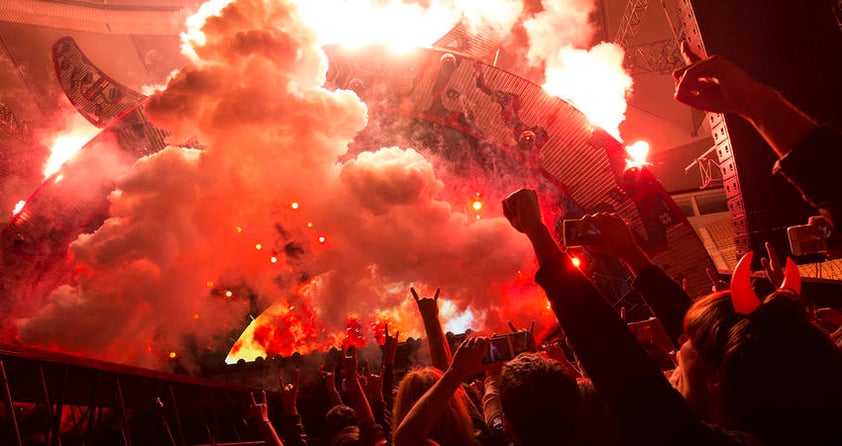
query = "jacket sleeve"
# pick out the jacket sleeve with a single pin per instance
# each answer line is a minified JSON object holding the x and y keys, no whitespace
{"x":813,"y":167}
{"x":667,"y":300}
{"x":648,"y":410}
{"x":292,"y":431}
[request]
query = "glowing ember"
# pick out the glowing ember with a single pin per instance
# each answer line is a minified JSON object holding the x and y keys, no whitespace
{"x":229,"y":293}
{"x":172,"y":355}
{"x":294,"y":205}
{"x":476,"y":205}
{"x":258,"y":246}
{"x":322,"y":239}
{"x":195,"y":316}
{"x":273,"y":259}
{"x":18,"y":207}
{"x":309,"y":224}
{"x":577,"y":262}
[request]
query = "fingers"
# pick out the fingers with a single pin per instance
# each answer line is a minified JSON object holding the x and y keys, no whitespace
{"x":262,"y":397}
{"x":251,"y":397}
{"x":436,"y":296}
{"x":386,"y":328}
{"x":512,"y":327}
{"x":367,"y":368}
{"x":687,"y":54}
{"x":397,"y":334}
{"x":414,"y":294}
{"x":774,"y":261}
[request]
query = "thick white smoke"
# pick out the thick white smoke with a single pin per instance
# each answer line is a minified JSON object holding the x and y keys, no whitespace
{"x":263,"y":205}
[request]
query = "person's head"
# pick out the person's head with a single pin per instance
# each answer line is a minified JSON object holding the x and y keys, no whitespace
{"x":338,"y":418}
{"x":707,"y":325}
{"x":347,"y":436}
{"x":453,"y":426}
{"x":771,"y":372}
{"x":540,"y":401}
{"x":781,"y":376}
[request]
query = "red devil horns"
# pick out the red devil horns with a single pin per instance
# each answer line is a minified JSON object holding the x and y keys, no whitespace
{"x":742,"y":293}
{"x":792,"y":278}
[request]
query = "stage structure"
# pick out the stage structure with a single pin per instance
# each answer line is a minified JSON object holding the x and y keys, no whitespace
{"x":63,"y":399}
{"x":491,"y":126}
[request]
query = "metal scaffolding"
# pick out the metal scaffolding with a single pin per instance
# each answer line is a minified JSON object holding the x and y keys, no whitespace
{"x":55,"y":399}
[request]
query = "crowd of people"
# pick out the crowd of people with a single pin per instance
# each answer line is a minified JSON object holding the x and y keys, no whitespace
{"x":748,"y":369}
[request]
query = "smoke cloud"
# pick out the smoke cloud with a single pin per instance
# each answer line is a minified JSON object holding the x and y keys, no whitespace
{"x":264,"y":213}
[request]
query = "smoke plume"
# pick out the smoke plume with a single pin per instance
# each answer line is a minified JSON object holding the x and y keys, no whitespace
{"x":264,"y":213}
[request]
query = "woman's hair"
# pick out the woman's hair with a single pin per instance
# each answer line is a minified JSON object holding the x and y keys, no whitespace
{"x":453,"y":426}
{"x":707,"y":324}
{"x":780,"y":375}
{"x":338,"y":418}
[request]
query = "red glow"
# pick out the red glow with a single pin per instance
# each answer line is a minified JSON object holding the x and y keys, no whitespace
{"x":172,"y":355}
{"x":229,"y":293}
{"x":322,"y":239}
{"x":353,"y":334}
{"x":258,"y":246}
{"x":18,"y":207}
{"x":294,"y":205}
{"x":577,"y":262}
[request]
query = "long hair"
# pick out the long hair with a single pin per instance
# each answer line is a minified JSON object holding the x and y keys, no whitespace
{"x":780,"y":374}
{"x":453,"y":426}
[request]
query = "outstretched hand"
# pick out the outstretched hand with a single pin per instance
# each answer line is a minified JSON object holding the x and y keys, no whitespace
{"x":258,"y":411}
{"x":289,"y":393}
{"x":373,"y":382}
{"x":714,"y":84}
{"x":329,"y":378}
{"x":772,"y":266}
{"x":390,"y":346}
{"x":522,"y":210}
{"x":429,"y":307}
{"x":350,"y":366}
{"x":467,"y":361}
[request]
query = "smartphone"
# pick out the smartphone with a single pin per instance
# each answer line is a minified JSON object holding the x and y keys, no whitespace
{"x":506,"y":347}
{"x":578,"y":232}
{"x":807,"y":239}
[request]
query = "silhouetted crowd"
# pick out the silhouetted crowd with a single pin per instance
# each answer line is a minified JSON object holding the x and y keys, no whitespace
{"x":746,"y":369}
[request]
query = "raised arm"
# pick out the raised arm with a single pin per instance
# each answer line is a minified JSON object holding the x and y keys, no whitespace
{"x":647,"y":408}
{"x":292,"y":429}
{"x":810,"y":154}
{"x":259,"y":413}
{"x":717,"y":85}
{"x":415,"y":428}
{"x":370,"y":431}
{"x":667,"y":299}
{"x":439,"y":348}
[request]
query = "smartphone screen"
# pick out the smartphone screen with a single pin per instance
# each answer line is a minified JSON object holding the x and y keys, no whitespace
{"x":806,"y":239}
{"x":506,"y":347}
{"x":578,"y":232}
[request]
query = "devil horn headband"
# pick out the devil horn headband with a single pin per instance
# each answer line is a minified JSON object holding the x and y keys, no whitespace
{"x":742,"y":293}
